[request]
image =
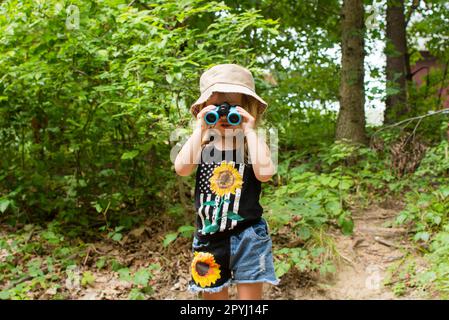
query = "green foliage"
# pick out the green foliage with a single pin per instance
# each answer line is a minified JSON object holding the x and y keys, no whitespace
{"x":304,"y":75}
{"x":435,"y":164}
{"x":427,"y":215}
{"x":438,"y":274}
{"x":87,"y":279}
{"x":303,"y":260}
{"x":431,"y":25}
{"x":33,"y":265}
{"x":116,"y":235}
{"x":37,"y":259}
{"x":140,"y":281}
{"x":428,"y":212}
{"x":317,"y":190}
{"x":86,"y":109}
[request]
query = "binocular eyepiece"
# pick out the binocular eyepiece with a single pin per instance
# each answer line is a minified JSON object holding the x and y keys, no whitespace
{"x":224,"y":109}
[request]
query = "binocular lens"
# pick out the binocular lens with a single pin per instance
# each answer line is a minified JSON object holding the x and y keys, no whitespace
{"x":233,"y":118}
{"x":211,"y":118}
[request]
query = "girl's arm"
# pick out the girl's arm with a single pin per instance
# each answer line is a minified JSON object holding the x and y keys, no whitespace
{"x":260,"y":155}
{"x":259,"y":152}
{"x":189,"y":155}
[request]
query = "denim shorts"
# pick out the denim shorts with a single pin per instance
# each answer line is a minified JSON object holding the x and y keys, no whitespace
{"x":244,"y":257}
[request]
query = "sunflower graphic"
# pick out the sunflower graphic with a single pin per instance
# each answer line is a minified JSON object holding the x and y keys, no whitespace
{"x":225,"y":179}
{"x":205,"y":271}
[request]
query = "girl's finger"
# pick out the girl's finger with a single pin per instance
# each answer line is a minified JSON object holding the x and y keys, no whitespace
{"x":244,"y":113}
{"x":241,"y":110}
{"x":209,"y":107}
{"x":205,"y":109}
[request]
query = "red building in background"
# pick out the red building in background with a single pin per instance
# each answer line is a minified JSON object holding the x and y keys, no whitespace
{"x":420,"y":72}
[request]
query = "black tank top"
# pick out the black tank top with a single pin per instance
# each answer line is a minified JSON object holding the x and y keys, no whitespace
{"x":226,"y":194}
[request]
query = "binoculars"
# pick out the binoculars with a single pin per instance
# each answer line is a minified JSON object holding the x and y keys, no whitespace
{"x":224,"y":109}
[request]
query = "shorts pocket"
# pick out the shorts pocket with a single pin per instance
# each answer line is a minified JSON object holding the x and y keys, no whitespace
{"x":260,"y":230}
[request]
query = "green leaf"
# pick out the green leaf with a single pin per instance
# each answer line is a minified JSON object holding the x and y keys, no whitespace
{"x":4,"y":295}
{"x":347,"y":226}
{"x":51,"y":237}
{"x":186,"y":228}
{"x":169,"y":238}
{"x":391,"y":91}
{"x":334,"y":207}
{"x":304,"y":233}
{"x":116,"y":266}
{"x":316,"y":252}
{"x":124,"y":274}
{"x":444,"y":191}
{"x":206,"y":222}
{"x":424,"y":236}
{"x":141,"y":277}
{"x":327,"y":268}
{"x":87,"y":279}
{"x":234,"y":216}
{"x":130,"y":154}
{"x":281,"y":268}
{"x":135,"y":294}
{"x":346,"y":223}
{"x":324,"y":180}
{"x":117,"y":236}
{"x":98,"y":207}
{"x":4,"y":203}
{"x":210,"y":228}
{"x":101,"y":263}
{"x":186,"y":231}
{"x":169,"y":78}
{"x":333,"y":183}
{"x":345,"y":185}
{"x":210,"y":203}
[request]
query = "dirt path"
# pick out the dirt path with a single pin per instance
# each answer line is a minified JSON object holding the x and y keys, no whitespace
{"x":366,"y":256}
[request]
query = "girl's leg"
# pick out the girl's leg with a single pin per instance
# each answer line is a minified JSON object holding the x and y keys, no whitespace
{"x":222,"y":295}
{"x":250,"y":291}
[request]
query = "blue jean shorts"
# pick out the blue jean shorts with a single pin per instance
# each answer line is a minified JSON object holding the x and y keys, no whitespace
{"x":244,"y":257}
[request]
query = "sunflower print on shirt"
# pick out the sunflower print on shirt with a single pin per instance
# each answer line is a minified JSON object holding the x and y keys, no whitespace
{"x":223,"y":181}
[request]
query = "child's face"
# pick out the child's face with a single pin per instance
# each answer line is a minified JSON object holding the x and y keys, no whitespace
{"x":233,"y":99}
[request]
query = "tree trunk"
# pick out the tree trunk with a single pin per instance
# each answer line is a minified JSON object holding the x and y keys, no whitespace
{"x":396,"y":52}
{"x":351,"y":118}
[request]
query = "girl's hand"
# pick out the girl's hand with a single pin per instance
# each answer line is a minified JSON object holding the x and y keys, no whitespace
{"x":200,"y":123}
{"x":248,"y":122}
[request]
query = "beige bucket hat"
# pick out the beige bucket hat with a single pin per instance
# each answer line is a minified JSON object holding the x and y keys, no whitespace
{"x":226,"y":78}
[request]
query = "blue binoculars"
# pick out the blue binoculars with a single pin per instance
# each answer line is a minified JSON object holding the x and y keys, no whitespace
{"x":224,"y":109}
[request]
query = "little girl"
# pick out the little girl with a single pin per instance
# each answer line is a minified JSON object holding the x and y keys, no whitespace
{"x":232,"y":243}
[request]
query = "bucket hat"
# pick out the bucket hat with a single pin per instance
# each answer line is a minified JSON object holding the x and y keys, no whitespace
{"x":226,"y":78}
